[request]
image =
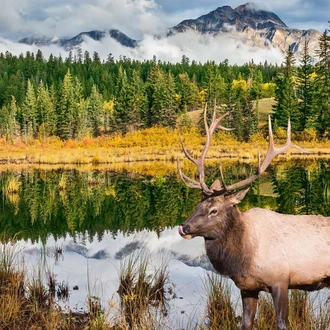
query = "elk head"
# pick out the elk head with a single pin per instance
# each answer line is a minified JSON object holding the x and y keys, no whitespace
{"x":214,"y":214}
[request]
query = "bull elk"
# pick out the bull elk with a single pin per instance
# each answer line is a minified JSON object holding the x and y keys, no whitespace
{"x":260,"y":250}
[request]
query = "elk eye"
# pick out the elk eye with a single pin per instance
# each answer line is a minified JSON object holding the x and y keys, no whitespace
{"x":213,"y":211}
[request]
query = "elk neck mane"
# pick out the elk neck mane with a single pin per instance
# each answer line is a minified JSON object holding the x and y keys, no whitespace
{"x":231,"y":254}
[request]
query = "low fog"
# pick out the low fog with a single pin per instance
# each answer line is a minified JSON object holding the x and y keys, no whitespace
{"x":197,"y":47}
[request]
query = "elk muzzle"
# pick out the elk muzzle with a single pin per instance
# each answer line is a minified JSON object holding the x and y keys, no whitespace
{"x":184,"y":231}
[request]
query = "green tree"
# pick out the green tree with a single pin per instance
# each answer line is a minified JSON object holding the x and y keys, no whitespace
{"x":66,"y":105}
{"x":162,"y":98}
{"x":79,"y":113}
{"x":94,"y":111}
{"x":8,"y":123}
{"x":306,"y":91}
{"x":164,"y":106}
{"x":29,"y":114}
{"x":323,"y":84}
{"x":214,"y":85}
{"x":286,"y":105}
{"x":189,"y":94}
{"x":244,"y":118}
{"x":121,"y":105}
{"x":71,"y":109}
{"x":46,"y":111}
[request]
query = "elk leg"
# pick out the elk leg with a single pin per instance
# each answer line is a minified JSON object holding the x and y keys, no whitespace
{"x":281,"y":303}
{"x":250,"y":302}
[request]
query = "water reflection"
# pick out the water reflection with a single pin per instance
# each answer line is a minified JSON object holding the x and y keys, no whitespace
{"x":38,"y":203}
{"x":99,"y":218}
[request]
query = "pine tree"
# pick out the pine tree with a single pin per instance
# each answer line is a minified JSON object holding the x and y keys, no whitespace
{"x":94,"y":111}
{"x":137,"y":100}
{"x":164,"y":106}
{"x":306,"y":91}
{"x":214,"y":85}
{"x":162,"y":99}
{"x":46,"y":112}
{"x":121,"y":105}
{"x":8,"y":124}
{"x":79,"y":111}
{"x":244,"y":118}
{"x":189,"y":99}
{"x":66,"y":108}
{"x":285,"y":96}
{"x":29,"y":115}
{"x":323,"y":85}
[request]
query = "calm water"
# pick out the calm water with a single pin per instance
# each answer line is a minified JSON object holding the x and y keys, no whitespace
{"x":100,"y":218}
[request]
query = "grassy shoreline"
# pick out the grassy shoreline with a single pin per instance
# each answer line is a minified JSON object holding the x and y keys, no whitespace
{"x":152,"y":145}
{"x":48,"y":155}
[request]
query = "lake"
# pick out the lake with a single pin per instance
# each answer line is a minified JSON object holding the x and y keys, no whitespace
{"x":84,"y":226}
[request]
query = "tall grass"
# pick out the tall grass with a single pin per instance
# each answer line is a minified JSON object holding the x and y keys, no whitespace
{"x":306,"y":311}
{"x":220,"y":310}
{"x":143,"y":294}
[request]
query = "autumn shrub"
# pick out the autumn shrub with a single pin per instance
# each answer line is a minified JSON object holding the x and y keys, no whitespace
{"x":281,"y":134}
{"x":3,"y":142}
{"x":223,"y":137}
{"x":70,"y":144}
{"x":258,"y":138}
{"x":307,"y":135}
{"x":19,"y":143}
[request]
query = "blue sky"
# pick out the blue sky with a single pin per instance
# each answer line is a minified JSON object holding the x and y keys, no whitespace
{"x":20,"y":18}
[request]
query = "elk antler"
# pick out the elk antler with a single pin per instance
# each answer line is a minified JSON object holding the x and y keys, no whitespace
{"x":200,"y":161}
{"x":272,"y":152}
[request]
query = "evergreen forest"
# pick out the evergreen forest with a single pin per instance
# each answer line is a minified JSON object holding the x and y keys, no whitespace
{"x":82,"y":95}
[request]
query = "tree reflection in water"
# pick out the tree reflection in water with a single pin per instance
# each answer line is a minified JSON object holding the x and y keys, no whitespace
{"x":38,"y":203}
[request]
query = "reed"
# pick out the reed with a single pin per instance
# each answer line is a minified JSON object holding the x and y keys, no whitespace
{"x":143,"y":294}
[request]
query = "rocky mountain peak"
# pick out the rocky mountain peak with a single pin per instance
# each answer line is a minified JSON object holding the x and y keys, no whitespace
{"x":257,"y":18}
{"x":252,"y":26}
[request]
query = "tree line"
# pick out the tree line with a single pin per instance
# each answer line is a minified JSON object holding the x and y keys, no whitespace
{"x":303,"y":92}
{"x":83,"y":96}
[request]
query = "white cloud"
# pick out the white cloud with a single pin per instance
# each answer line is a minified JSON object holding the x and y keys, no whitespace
{"x":20,"y":18}
{"x":200,"y":48}
{"x":203,"y":48}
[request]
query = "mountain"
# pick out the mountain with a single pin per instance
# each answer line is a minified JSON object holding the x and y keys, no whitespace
{"x":77,"y":40}
{"x":40,"y":40}
{"x":255,"y":27}
{"x":246,"y":23}
{"x":98,"y":36}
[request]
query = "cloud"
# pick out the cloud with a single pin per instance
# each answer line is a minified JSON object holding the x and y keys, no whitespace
{"x":21,"y":18}
{"x":197,"y":47}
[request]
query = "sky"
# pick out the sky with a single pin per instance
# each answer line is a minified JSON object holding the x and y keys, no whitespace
{"x":141,"y":20}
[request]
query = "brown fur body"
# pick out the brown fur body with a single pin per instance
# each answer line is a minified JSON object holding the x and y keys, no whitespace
{"x":261,"y":250}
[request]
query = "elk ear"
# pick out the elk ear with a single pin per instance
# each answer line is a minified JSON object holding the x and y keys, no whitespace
{"x":238,"y":196}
